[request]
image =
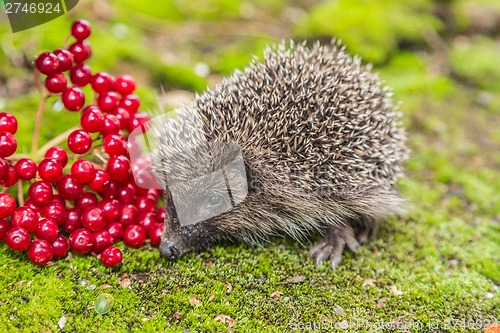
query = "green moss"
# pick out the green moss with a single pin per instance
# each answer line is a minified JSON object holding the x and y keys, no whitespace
{"x":437,"y":266}
{"x":474,"y":62}
{"x":239,"y":54}
{"x":374,"y":37}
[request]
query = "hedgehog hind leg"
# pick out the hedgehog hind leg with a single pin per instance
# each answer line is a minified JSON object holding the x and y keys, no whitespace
{"x":352,"y":234}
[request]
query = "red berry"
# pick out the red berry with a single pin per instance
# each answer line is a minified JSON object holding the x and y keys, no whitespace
{"x":130,"y":103}
{"x":111,"y":208}
{"x":147,"y":220}
{"x":127,"y":194}
{"x":153,"y":195}
{"x":118,"y":167}
{"x":80,"y":75}
{"x":80,"y":241}
{"x":8,"y":144}
{"x":65,"y":59}
{"x":73,"y":220}
{"x":155,"y":233}
{"x":59,"y":154}
{"x":123,"y":116}
{"x":115,"y":229}
{"x":7,"y":205}
{"x":110,"y":191}
{"x":108,"y":101}
{"x":128,"y":214}
{"x":17,"y":239}
{"x":69,"y":189}
{"x":50,"y":170}
{"x":81,"y":51}
{"x":47,"y":63}
{"x":111,"y":256}
{"x":31,"y":204}
{"x":100,"y":181}
{"x":92,"y":119}
{"x":56,"y":83}
{"x":47,"y":229}
{"x":10,"y":179}
{"x":8,"y":123}
{"x":145,"y":205}
{"x":73,"y":98}
{"x":25,"y":218}
{"x":87,"y":199}
{"x":55,"y":211}
{"x":82,"y":171}
{"x":79,"y":142}
{"x":80,"y":29}
{"x":60,"y":247}
{"x":111,"y":125}
{"x":60,"y":200}
{"x":40,"y":252}
{"x":101,"y":240}
{"x":139,"y":120}
{"x":161,"y":214}
{"x":113,"y":144}
{"x":134,"y":236}
{"x":125,"y":84}
{"x":40,"y":192}
{"x":5,"y":226}
{"x":25,"y":169}
{"x":102,"y":82}
{"x":93,"y":218}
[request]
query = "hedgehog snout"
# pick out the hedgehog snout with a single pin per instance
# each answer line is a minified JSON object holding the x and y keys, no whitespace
{"x":169,"y":251}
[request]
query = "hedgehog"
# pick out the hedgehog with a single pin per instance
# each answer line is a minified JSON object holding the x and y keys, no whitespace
{"x":305,"y":141}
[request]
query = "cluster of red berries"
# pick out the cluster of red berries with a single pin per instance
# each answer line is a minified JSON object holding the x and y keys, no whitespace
{"x":76,"y":202}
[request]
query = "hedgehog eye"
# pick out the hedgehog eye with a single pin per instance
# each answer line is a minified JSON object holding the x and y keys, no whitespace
{"x":214,"y":201}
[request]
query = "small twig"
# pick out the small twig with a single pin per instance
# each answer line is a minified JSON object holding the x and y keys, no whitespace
{"x":38,"y":120}
{"x":55,"y":141}
{"x":4,"y":189}
{"x":20,"y":196}
{"x":99,"y":156}
{"x":97,"y":166}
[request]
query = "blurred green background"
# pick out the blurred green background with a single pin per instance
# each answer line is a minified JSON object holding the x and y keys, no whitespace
{"x":442,"y":58}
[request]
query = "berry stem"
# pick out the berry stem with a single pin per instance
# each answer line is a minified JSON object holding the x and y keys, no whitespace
{"x":20,"y":196}
{"x":37,"y":81}
{"x":56,"y":141}
{"x":65,"y":44}
{"x":38,"y":121}
{"x":17,"y":157}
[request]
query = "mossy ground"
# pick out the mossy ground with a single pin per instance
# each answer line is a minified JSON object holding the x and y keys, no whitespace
{"x":435,"y":270}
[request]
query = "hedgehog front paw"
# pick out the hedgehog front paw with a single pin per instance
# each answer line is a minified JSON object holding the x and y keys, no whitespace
{"x":332,"y":245}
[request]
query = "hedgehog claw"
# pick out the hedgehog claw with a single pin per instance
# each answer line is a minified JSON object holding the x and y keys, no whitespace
{"x":333,"y":244}
{"x":366,"y":230}
{"x":316,"y":248}
{"x":346,"y":234}
{"x":363,"y":235}
{"x":324,"y":254}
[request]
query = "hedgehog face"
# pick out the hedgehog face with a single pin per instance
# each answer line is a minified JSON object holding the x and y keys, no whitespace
{"x":181,"y":240}
{"x":213,"y":188}
{"x":199,"y":217}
